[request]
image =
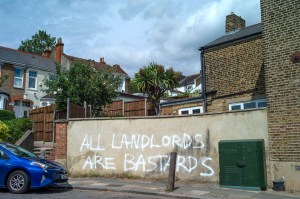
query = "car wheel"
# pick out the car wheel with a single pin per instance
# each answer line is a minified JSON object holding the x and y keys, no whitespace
{"x":18,"y":182}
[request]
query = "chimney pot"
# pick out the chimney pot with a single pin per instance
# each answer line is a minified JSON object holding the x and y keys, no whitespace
{"x":47,"y":52}
{"x":102,"y":60}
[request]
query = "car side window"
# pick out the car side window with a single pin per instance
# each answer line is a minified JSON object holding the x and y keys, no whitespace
{"x":3,"y":155}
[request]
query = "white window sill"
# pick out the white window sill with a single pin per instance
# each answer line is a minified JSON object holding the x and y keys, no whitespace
{"x":18,"y":87}
{"x":33,"y":89}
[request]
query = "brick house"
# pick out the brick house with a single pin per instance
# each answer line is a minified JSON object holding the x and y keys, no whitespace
{"x":259,"y":66}
{"x":23,"y":88}
{"x":232,"y":68}
{"x":57,"y":54}
{"x":232,"y":72}
{"x":281,"y":50}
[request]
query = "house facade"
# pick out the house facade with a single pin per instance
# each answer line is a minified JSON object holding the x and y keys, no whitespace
{"x":190,"y":84}
{"x":233,"y":69}
{"x":23,"y":75}
{"x":57,"y":54}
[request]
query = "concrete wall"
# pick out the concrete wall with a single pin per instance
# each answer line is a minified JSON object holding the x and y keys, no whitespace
{"x":140,"y":146}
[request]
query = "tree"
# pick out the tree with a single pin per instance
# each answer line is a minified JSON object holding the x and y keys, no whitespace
{"x":38,"y":43}
{"x":82,"y":83}
{"x":154,"y":80}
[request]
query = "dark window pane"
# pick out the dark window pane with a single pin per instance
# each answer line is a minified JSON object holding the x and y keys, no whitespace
{"x":195,"y":111}
{"x":184,"y":112}
{"x":249,"y":105}
{"x":262,"y":104}
{"x":236,"y":107}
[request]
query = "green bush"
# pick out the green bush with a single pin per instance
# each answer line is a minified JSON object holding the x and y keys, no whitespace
{"x":6,"y":115}
{"x":4,"y":131}
{"x":17,"y":128}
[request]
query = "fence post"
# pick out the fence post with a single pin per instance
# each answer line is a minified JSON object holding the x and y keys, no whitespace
{"x":171,"y":178}
{"x":68,"y":109}
{"x":145,"y":101}
{"x":84,"y":105}
{"x":90,"y":115}
{"x":44,"y":125}
{"x":123,"y":107}
{"x":53,"y":125}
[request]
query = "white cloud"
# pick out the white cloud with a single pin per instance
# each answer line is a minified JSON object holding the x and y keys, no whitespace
{"x":130,"y":33}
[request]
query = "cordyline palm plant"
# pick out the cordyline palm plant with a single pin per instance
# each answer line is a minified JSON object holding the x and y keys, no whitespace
{"x":154,"y":80}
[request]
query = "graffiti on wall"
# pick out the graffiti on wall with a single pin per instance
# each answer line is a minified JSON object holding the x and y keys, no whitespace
{"x":142,"y":162}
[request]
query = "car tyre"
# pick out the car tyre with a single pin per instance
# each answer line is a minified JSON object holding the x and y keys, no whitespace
{"x":18,"y":182}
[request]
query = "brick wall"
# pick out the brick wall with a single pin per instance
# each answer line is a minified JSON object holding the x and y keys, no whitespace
{"x":281,"y":39}
{"x":61,"y":140}
{"x":235,"y":71}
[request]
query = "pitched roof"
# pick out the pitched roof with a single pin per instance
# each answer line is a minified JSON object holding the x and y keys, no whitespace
{"x":97,"y":65}
{"x":181,"y":101}
{"x":188,"y":80}
{"x":240,"y":34}
{"x":12,"y":56}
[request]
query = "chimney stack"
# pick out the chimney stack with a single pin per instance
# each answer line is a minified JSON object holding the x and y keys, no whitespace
{"x":234,"y":22}
{"x":47,"y":52}
{"x":59,"y":48}
{"x":102,"y":60}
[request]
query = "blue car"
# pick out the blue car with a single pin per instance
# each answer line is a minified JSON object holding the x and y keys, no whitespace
{"x":21,"y":170}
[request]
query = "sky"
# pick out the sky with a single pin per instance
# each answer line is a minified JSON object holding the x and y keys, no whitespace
{"x":131,"y":33}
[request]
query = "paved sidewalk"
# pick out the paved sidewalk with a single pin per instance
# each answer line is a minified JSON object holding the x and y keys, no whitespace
{"x":183,"y":190}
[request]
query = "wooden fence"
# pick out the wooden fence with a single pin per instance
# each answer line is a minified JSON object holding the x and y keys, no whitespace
{"x":121,"y":108}
{"x":43,"y":120}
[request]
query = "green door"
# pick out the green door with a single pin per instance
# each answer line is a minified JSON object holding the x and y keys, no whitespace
{"x":242,"y":163}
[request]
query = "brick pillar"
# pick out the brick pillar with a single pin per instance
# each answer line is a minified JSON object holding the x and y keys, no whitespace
{"x":61,"y":141}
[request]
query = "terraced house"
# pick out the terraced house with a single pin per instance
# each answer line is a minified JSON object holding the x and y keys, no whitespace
{"x":57,"y":54}
{"x":23,"y":75}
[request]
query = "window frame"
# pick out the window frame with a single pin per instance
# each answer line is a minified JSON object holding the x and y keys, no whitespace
{"x":190,"y":110}
{"x":22,"y":77}
{"x":242,"y":104}
{"x":35,"y":78}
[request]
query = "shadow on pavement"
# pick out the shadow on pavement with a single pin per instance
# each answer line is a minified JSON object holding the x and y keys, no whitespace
{"x":46,"y":190}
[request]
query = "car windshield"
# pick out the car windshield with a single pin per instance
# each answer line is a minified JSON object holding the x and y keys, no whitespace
{"x":18,"y":151}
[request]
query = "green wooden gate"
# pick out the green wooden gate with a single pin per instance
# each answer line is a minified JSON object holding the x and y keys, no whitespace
{"x":242,"y":164}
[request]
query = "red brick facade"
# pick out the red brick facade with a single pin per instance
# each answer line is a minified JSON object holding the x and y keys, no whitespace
{"x":61,"y":140}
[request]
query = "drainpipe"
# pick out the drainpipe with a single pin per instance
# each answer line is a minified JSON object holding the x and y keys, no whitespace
{"x":203,"y":77}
